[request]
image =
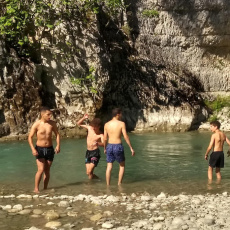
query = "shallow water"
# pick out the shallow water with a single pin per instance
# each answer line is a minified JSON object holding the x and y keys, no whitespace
{"x":165,"y":162}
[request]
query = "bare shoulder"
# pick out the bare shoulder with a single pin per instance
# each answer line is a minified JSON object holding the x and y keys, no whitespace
{"x":36,"y":124}
{"x":53,"y":123}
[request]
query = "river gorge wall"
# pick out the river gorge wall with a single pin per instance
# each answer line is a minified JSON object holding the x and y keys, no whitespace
{"x":156,"y":68}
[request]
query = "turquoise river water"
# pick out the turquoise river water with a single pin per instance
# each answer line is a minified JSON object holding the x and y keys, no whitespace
{"x":165,"y":162}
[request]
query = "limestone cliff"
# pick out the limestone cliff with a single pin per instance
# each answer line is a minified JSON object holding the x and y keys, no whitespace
{"x":152,"y":67}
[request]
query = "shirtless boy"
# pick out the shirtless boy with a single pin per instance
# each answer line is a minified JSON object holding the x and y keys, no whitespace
{"x":217,"y":156}
{"x":114,"y":149}
{"x":94,"y":139}
{"x":44,"y":151}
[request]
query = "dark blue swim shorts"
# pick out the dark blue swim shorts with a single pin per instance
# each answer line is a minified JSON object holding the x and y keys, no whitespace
{"x":45,"y":152}
{"x":115,"y":152}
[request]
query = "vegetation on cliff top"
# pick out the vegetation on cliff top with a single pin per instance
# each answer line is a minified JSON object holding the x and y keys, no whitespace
{"x":23,"y":22}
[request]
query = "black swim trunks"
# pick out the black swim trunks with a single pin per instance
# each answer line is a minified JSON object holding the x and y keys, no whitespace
{"x":92,"y":156}
{"x":217,"y":159}
{"x":45,"y":152}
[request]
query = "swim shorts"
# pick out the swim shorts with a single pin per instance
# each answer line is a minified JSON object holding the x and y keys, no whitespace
{"x":115,"y":152}
{"x":45,"y":152}
{"x":92,"y":156}
{"x":216,"y":159}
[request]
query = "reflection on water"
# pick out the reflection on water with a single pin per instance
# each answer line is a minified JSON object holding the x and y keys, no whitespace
{"x":164,"y":162}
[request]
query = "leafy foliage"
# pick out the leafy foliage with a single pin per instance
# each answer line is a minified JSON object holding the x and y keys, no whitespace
{"x":218,"y":103}
{"x":150,"y":13}
{"x":23,"y":21}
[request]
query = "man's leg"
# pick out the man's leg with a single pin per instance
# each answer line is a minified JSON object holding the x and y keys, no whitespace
{"x":218,"y":174}
{"x":210,"y":172}
{"x":121,"y":172}
{"x":41,"y":165}
{"x":46,"y":176}
{"x":108,"y":172}
{"x":90,"y":174}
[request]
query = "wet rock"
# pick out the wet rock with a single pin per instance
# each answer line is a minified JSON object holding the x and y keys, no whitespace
{"x":51,"y":215}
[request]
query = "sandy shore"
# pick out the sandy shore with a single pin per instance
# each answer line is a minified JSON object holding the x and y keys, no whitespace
{"x":124,"y":212}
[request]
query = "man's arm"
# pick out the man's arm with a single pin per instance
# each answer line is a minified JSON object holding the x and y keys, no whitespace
{"x":105,"y":138}
{"x":126,"y":137}
{"x":101,"y":140}
{"x":211,"y":144}
{"x":79,"y":123}
{"x":30,"y":139}
{"x":55,"y":130}
{"x":227,"y":140}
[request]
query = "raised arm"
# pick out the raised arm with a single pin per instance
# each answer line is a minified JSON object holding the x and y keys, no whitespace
{"x":56,"y":132}
{"x":211,"y":144}
{"x":79,"y":123}
{"x":126,"y":137}
{"x":30,"y":138}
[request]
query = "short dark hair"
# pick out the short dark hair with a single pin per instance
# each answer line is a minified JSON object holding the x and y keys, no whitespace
{"x":215,"y":123}
{"x":116,"y":111}
{"x":44,"y":109}
{"x":96,"y":122}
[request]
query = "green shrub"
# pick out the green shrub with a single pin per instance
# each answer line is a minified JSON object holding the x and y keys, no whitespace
{"x":218,"y":103}
{"x":150,"y":13}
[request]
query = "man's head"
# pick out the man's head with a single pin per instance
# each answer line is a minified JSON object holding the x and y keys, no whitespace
{"x":96,"y":123}
{"x":45,"y":113}
{"x":214,"y":125}
{"x":117,"y":113}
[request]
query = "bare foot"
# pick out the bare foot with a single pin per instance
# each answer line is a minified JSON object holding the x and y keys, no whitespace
{"x":36,"y":191}
{"x":95,"y":176}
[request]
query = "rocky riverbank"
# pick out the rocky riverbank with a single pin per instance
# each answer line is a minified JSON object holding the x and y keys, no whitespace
{"x":123,"y":212}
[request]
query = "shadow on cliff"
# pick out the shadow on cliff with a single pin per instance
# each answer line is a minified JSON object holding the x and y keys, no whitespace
{"x":136,"y":84}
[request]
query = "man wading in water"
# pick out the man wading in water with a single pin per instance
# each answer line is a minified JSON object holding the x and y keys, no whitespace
{"x":217,"y":156}
{"x":44,"y":151}
{"x":94,"y":140}
{"x":114,"y":149}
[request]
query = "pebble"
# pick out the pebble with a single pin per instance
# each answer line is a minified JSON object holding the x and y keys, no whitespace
{"x":96,"y":217}
{"x":107,"y":225}
{"x":51,"y":215}
{"x":37,"y":211}
{"x":53,"y":224}
{"x":64,"y":204}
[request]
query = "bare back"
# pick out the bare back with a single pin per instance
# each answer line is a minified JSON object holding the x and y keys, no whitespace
{"x":114,"y":130}
{"x":219,"y":139}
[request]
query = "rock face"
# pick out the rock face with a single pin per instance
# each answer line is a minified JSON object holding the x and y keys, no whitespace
{"x":154,"y":68}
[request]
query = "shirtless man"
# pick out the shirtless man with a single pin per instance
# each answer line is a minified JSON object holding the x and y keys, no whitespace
{"x":217,"y":156}
{"x":114,"y":149}
{"x":94,"y":139}
{"x":44,"y":151}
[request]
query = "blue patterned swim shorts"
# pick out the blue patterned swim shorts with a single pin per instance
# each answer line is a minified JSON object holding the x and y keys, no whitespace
{"x":115,"y":152}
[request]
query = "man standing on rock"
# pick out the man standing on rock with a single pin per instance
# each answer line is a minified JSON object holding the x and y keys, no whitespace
{"x":217,"y":156}
{"x":114,"y":149}
{"x":44,"y":151}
